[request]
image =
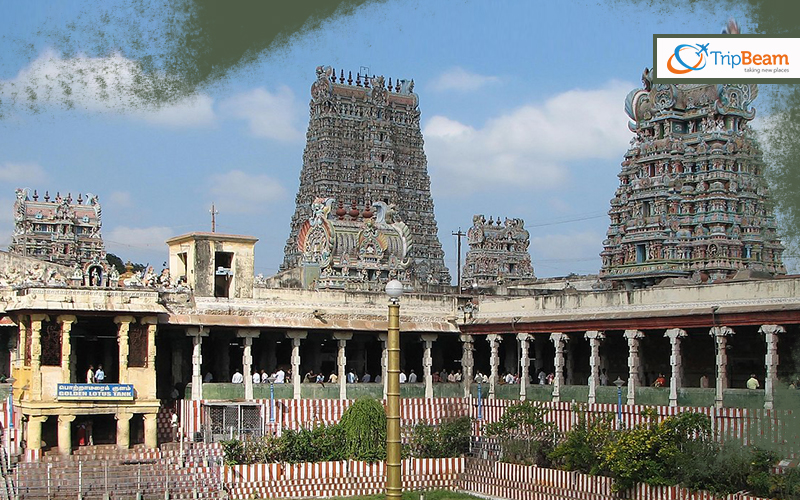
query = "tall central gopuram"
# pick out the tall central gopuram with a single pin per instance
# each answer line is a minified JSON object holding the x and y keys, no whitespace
{"x":692,"y":199}
{"x":363,"y":146}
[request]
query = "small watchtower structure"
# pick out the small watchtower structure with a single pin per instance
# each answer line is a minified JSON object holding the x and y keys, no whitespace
{"x":214,"y":264}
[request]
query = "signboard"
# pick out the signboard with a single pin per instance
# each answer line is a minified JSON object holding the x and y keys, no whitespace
{"x":725,"y":59}
{"x":95,"y":392}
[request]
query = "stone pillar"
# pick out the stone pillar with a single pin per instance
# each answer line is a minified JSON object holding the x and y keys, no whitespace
{"x":594,"y":337}
{"x":558,"y":339}
{"x":720,"y":334}
{"x":427,"y":362}
{"x":675,"y":335}
{"x":24,"y":331}
{"x":150,"y":430}
{"x":633,"y":337}
{"x":152,"y":328}
{"x":494,"y":340}
{"x":123,"y":430}
{"x":34,"y":434}
{"x":384,"y":362}
{"x":124,"y":323}
{"x":66,"y":321}
{"x":36,"y":356}
{"x":341,"y":361}
{"x":247,"y":359}
{"x":65,"y":434}
{"x":569,"y":366}
{"x":525,"y":361}
{"x":467,"y":362}
{"x":296,"y":336}
{"x":197,"y":333}
{"x":771,"y":361}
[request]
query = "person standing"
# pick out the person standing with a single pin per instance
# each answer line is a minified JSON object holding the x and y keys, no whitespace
{"x":173,"y":422}
{"x":90,"y":375}
{"x":603,"y":377}
{"x":99,"y":375}
{"x":752,"y":382}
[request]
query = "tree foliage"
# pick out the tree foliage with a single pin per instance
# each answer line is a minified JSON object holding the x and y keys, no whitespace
{"x":364,"y":430}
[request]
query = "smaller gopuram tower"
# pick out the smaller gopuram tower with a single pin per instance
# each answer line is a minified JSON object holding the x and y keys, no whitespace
{"x":692,"y":199}
{"x":498,"y":253}
{"x":59,"y":230}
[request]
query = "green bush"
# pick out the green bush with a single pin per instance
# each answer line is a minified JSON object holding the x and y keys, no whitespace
{"x":582,"y":445}
{"x":524,"y":436}
{"x":363,"y":426}
{"x":448,"y":439}
{"x":318,"y":444}
{"x":653,"y":452}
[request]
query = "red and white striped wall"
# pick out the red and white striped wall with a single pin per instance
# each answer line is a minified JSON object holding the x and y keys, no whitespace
{"x":329,"y":479}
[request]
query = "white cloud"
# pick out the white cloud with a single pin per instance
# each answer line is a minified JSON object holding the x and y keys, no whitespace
{"x":573,"y":247}
{"x":530,"y":147}
{"x":22,"y":173}
{"x":461,"y":80}
{"x":120,"y":198}
{"x":101,"y":84}
{"x":195,"y":112}
{"x":268,"y":114}
{"x":123,"y":240}
{"x":240,"y":192}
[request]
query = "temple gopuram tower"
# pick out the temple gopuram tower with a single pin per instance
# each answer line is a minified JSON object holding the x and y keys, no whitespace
{"x":498,"y":253}
{"x":692,"y":200}
{"x":364,"y":145}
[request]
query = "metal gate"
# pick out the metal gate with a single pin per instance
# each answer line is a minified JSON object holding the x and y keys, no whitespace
{"x":222,"y":421}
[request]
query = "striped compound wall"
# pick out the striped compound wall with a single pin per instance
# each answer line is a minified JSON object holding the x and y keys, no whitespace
{"x":780,"y":428}
{"x":10,"y":436}
{"x":521,"y":482}
{"x":334,"y":479}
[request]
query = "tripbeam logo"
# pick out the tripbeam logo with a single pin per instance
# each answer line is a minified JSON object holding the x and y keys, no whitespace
{"x":725,"y":58}
{"x":698,"y":53}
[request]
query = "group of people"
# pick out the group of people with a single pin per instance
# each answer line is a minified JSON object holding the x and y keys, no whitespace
{"x":351,"y":378}
{"x":279,"y":376}
{"x":95,"y":376}
{"x":452,"y":377}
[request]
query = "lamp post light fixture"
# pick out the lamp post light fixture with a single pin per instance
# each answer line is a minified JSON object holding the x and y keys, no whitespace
{"x":271,"y":380}
{"x":619,"y":383}
{"x":394,"y":486}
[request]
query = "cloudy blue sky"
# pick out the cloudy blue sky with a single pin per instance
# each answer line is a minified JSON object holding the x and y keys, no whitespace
{"x":522,"y":115}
